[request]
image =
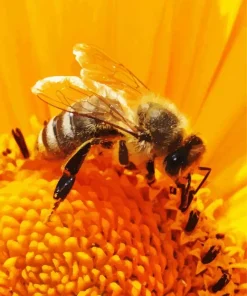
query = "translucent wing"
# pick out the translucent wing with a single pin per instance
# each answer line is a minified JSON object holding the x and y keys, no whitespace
{"x":100,"y":73}
{"x":69,"y":93}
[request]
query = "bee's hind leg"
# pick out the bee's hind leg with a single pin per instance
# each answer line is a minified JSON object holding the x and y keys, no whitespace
{"x":70,"y":170}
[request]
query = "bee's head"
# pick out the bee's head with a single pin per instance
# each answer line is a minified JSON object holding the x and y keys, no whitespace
{"x":184,"y":156}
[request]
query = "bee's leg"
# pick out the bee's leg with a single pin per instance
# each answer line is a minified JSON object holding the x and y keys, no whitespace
{"x":189,"y":194}
{"x":193,"y":192}
{"x":71,"y":168}
{"x":222,"y":282}
{"x":123,"y":157}
{"x":123,"y":153}
{"x":184,"y":194}
{"x":204,"y":178}
{"x":150,"y":176}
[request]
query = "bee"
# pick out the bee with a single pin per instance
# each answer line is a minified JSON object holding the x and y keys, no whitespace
{"x":109,"y":106}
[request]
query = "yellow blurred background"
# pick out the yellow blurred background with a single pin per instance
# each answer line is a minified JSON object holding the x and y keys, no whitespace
{"x":193,"y":52}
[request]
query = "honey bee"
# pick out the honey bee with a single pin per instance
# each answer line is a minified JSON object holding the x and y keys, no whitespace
{"x":98,"y":108}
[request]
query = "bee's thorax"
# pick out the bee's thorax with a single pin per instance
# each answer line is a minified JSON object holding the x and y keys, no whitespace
{"x":162,"y":125}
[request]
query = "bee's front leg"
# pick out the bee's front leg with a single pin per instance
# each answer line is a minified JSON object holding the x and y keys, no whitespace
{"x":186,"y":195}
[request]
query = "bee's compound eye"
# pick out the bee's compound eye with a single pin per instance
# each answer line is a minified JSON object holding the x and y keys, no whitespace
{"x":173,"y":163}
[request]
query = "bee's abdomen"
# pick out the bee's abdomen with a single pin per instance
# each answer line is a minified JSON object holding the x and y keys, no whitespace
{"x":68,"y":130}
{"x":56,"y":139}
{"x":47,"y":140}
{"x":64,"y":133}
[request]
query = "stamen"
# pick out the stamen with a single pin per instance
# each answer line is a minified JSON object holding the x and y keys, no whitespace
{"x":8,"y":151}
{"x":211,"y":254}
{"x":173,"y":190}
{"x":222,"y":282}
{"x":193,"y":220}
{"x":18,"y":136}
{"x":220,"y":235}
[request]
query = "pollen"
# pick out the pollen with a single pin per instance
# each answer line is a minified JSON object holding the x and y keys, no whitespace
{"x":113,"y":235}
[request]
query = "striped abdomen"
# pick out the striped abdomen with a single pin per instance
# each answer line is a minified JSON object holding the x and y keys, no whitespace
{"x":65,"y":132}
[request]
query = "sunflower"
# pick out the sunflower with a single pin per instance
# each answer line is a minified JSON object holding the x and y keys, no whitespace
{"x":114,"y":234}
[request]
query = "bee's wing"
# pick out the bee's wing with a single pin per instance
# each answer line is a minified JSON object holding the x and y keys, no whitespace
{"x":99,"y":73}
{"x":65,"y":92}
